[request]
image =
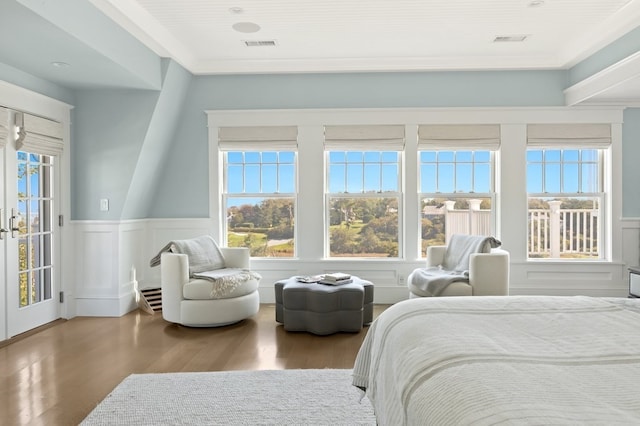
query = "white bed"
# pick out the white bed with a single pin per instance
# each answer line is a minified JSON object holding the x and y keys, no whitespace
{"x":503,"y":360}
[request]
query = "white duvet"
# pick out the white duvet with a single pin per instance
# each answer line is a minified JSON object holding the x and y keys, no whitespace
{"x":503,"y":360}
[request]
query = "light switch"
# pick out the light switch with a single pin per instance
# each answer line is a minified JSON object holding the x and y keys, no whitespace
{"x":104,"y":205}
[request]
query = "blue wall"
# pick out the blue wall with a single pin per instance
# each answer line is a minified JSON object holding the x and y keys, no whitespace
{"x":630,"y":163}
{"x":184,"y":186}
{"x":27,"y":81}
{"x":147,"y":150}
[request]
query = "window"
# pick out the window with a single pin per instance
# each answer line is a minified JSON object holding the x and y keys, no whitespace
{"x":565,"y":203}
{"x":565,"y":190}
{"x":259,"y":193}
{"x":363,"y":190}
{"x":456,"y":181}
{"x":456,"y":195}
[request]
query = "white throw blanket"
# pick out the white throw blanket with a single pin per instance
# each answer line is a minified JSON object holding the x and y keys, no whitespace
{"x":434,"y":281}
{"x":502,"y":360}
{"x":203,"y":252}
{"x":225,"y":280}
{"x":455,"y":266}
{"x":207,"y":262}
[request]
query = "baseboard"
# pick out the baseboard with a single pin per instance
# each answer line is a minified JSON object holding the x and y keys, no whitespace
{"x":105,"y":306}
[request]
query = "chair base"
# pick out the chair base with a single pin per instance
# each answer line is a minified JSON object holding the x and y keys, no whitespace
{"x":218,"y":312}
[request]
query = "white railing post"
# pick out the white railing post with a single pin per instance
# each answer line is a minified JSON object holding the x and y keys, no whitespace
{"x":448,"y":206}
{"x":474,"y":206}
{"x":554,"y":228}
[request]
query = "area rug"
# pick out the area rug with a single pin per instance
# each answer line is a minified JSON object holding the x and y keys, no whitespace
{"x":267,"y":397}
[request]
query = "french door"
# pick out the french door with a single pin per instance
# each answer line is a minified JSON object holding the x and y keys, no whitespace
{"x":30,"y":237}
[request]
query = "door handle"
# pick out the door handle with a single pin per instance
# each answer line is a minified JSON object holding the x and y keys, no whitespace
{"x":12,"y":223}
{"x":2,"y":228}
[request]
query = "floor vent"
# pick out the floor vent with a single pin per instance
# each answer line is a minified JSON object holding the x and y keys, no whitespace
{"x":150,"y":300}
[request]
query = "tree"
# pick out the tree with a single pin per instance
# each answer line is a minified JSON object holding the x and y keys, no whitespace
{"x":369,"y":241}
{"x":341,"y":241}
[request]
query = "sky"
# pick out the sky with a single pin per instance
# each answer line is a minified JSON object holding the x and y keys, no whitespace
{"x":554,"y":171}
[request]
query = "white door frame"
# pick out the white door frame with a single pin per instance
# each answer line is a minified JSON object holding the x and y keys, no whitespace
{"x":20,"y":99}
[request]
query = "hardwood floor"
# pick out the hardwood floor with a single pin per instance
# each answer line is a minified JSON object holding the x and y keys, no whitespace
{"x":56,"y":376}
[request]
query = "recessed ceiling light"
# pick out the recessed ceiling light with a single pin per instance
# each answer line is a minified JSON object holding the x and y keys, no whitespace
{"x":59,"y":64}
{"x":236,"y":10}
{"x":500,"y":39}
{"x":246,"y":27}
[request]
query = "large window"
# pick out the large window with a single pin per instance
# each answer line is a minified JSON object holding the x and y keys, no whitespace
{"x":456,"y":181}
{"x":363,"y":190}
{"x":456,"y":195}
{"x":565,"y":187}
{"x":363,"y":203}
{"x":565,"y":203}
{"x":259,"y":193}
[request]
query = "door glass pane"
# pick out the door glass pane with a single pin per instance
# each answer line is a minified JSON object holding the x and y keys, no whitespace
{"x":23,"y":293}
{"x":34,"y":220}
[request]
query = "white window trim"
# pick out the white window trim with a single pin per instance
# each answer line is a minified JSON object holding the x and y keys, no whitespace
{"x":225,"y":195}
{"x":605,"y":185}
{"x":526,"y":277}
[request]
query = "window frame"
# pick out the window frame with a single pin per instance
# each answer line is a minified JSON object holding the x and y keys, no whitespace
{"x":602,"y":195}
{"x":458,"y":194}
{"x":398,"y":195}
{"x":226,"y":195}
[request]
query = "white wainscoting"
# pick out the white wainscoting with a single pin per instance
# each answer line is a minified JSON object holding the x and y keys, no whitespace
{"x":112,"y":256}
{"x":568,"y":279}
{"x":108,"y":253}
{"x":630,"y":246}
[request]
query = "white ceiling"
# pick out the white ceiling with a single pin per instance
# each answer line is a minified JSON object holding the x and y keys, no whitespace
{"x":373,"y":35}
{"x":319,"y":36}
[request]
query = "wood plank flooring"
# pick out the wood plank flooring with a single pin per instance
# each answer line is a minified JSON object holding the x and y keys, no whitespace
{"x":56,"y":376}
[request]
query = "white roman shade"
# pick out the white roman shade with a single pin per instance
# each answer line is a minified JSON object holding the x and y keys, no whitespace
{"x":4,"y":126}
{"x":38,"y":135}
{"x":363,"y":138}
{"x":258,"y":138}
{"x":459,"y":136}
{"x":587,"y":135}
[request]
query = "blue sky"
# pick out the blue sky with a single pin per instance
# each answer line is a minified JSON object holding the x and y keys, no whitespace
{"x":440,"y":171}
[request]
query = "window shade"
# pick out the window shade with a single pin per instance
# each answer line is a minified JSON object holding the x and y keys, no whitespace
{"x":363,"y":138}
{"x":38,"y":135}
{"x":587,"y":135}
{"x":259,"y":138}
{"x":459,"y":136}
{"x":4,"y":126}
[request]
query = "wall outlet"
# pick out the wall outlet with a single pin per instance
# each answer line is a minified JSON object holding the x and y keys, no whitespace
{"x":401,"y":279}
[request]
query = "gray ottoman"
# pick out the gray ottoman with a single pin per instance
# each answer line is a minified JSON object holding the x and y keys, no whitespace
{"x":324,"y":309}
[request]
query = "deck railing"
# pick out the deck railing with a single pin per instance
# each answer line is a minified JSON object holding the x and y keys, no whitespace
{"x":552,"y":232}
{"x":556,"y":232}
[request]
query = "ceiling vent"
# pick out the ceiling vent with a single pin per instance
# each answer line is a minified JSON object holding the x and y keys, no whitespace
{"x":259,"y":43}
{"x":500,"y":39}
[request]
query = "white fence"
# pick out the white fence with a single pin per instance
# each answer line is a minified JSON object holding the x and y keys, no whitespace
{"x":553,"y":232}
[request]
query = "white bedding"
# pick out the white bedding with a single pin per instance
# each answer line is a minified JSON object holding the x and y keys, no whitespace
{"x":503,"y":360}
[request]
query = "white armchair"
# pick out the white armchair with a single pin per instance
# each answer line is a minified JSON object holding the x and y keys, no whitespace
{"x":189,"y":301}
{"x":488,"y":274}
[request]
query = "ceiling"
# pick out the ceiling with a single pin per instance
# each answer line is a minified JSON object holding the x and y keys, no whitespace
{"x":207,"y":36}
{"x":114,"y":43}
